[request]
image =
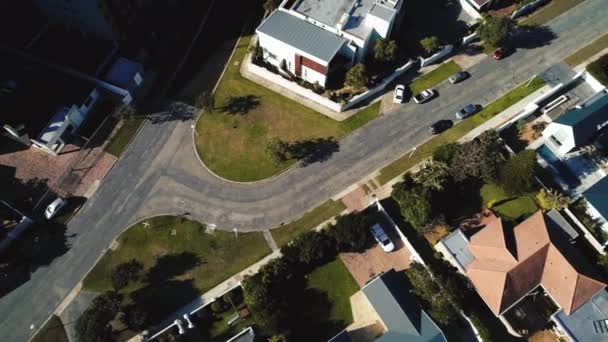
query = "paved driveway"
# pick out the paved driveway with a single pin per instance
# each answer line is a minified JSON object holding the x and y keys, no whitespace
{"x":160,"y":173}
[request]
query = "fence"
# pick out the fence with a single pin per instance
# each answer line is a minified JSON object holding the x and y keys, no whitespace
{"x":415,"y":256}
{"x":528,"y":8}
{"x":446,"y":50}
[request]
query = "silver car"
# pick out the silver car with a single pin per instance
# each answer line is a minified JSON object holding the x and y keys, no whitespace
{"x":54,"y":208}
{"x":382,"y":238}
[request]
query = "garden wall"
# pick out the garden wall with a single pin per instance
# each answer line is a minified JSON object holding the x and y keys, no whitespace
{"x":446,"y":50}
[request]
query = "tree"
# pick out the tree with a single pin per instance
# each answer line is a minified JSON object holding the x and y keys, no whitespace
{"x":430,"y":44}
{"x":481,"y":158}
{"x":517,"y":174}
{"x":385,"y":51}
{"x":351,"y":233}
{"x":309,"y":249}
{"x":380,"y":50}
{"x":494,"y":30}
{"x":135,"y":318}
{"x":392,"y":51}
{"x":125,"y":272}
{"x":415,"y":203}
{"x":356,"y":77}
{"x":428,"y":290}
{"x":445,"y":153}
{"x":279,"y":150}
{"x":552,"y":199}
{"x":277,"y":338}
{"x":270,"y":5}
{"x":432,"y":175}
{"x":93,"y":324}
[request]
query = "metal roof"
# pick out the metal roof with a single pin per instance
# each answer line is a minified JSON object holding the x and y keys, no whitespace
{"x":585,"y":121}
{"x":597,"y":196}
{"x":302,"y":35}
{"x":402,"y":316}
{"x":556,"y":221}
{"x":588,"y":322}
{"x":382,"y":12}
{"x":458,"y":245}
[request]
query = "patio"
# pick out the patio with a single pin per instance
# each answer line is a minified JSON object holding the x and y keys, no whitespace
{"x":533,"y":313}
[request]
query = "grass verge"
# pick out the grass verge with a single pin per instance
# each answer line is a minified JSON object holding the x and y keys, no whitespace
{"x":334,"y":280}
{"x":123,"y":136}
{"x":232,"y":139}
{"x":434,"y":77}
{"x":52,"y":331}
{"x":588,"y":51}
{"x":310,"y":220}
{"x":425,"y":150}
{"x":220,"y":254}
{"x":550,"y":11}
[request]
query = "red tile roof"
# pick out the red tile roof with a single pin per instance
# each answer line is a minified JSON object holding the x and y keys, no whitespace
{"x":504,"y":272}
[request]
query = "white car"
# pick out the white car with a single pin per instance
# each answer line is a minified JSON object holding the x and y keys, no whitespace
{"x":54,"y":207}
{"x":399,"y":92}
{"x":382,"y":238}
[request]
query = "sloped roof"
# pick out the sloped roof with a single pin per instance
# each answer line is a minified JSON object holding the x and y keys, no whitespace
{"x":302,"y":35}
{"x":584,"y":121}
{"x":597,"y":196}
{"x":504,"y":276}
{"x":401,"y":315}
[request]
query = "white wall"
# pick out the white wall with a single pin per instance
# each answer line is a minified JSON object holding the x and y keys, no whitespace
{"x":567,"y":145}
{"x":312,"y":76}
{"x":470,"y":10}
{"x":381,"y":26}
{"x":595,"y":84}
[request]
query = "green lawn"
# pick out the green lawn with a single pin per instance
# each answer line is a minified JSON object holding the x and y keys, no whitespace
{"x":284,"y":234}
{"x":123,"y":136}
{"x":550,"y":11}
{"x":588,"y":51}
{"x":508,"y":207}
{"x":220,"y":330}
{"x":52,"y":331}
{"x":233,"y":145}
{"x":425,"y":150}
{"x":337,"y":283}
{"x":220,"y":254}
{"x":434,"y":77}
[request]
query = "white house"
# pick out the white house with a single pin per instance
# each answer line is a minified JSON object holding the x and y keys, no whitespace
{"x":576,"y":127}
{"x":312,"y":38}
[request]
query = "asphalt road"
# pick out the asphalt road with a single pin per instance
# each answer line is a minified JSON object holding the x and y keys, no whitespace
{"x":160,"y":173}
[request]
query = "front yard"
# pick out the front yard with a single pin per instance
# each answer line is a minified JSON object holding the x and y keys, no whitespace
{"x":232,"y":140}
{"x":180,"y":259}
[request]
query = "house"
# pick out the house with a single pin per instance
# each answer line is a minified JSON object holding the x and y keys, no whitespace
{"x":597,"y":202}
{"x":314,"y":38}
{"x":506,"y":264}
{"x":399,"y":313}
{"x":578,"y":126}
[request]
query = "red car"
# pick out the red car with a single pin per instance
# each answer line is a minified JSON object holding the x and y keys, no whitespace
{"x":499,"y":53}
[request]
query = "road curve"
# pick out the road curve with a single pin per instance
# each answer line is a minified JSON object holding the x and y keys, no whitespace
{"x":160,"y":174}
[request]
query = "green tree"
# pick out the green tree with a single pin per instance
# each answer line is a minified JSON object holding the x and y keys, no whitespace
{"x":93,"y":324}
{"x":351,"y":233}
{"x":425,"y":287}
{"x":356,"y":77}
{"x":125,"y":272}
{"x":432,"y":175}
{"x":277,"y":338}
{"x":385,"y":51}
{"x":380,"y":50}
{"x":494,"y":30}
{"x":552,"y":199}
{"x":279,"y":150}
{"x":415,"y":203}
{"x":481,"y":158}
{"x":445,"y":153}
{"x":309,"y":249}
{"x":517,"y":174}
{"x":430,"y":44}
{"x":271,"y":5}
{"x":135,"y":318}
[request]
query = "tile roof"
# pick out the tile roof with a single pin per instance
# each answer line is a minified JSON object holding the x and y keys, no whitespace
{"x":302,"y":35}
{"x":509,"y":264}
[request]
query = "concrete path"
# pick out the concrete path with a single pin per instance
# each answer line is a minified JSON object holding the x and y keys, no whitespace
{"x":160,"y":173}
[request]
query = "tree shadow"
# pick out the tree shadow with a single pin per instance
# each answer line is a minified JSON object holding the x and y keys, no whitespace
{"x":241,"y":104}
{"x":176,"y":111}
{"x":314,"y":323}
{"x":172,"y":265}
{"x":513,"y":138}
{"x":314,"y":150}
{"x":161,"y":298}
{"x":533,"y":37}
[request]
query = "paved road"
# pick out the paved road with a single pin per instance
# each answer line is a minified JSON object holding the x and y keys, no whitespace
{"x":161,"y":174}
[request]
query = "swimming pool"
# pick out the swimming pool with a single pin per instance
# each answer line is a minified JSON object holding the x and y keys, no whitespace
{"x":558,"y":166}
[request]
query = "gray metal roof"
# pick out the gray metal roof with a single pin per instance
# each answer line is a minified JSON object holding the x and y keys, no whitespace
{"x":597,"y":196}
{"x":402,"y":316}
{"x":556,"y":220}
{"x":587,"y":323}
{"x":302,"y":35}
{"x":247,"y":335}
{"x":458,"y":245}
{"x":586,"y":121}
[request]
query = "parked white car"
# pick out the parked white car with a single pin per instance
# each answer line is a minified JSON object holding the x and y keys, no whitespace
{"x":54,"y":207}
{"x":382,"y":238}
{"x":399,"y":93}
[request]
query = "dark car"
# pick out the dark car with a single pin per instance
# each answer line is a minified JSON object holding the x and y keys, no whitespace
{"x":425,"y":96}
{"x":458,"y":77}
{"x":440,"y":126}
{"x":467,"y":111}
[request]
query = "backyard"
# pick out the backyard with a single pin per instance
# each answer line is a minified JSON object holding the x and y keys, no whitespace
{"x":425,"y":150}
{"x":510,"y":208}
{"x":232,"y":139}
{"x":180,"y":259}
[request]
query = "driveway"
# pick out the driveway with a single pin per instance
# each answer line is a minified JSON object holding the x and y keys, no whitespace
{"x":160,"y":173}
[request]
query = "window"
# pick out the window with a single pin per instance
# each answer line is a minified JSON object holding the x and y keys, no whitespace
{"x":554,"y":139}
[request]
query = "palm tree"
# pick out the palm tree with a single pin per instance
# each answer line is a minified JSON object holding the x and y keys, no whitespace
{"x":552,"y":199}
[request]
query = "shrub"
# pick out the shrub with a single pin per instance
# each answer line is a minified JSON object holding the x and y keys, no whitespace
{"x":135,"y":318}
{"x":517,"y":175}
{"x":218,"y":306}
{"x":599,"y":69}
{"x":552,"y":199}
{"x":430,"y":44}
{"x":125,"y":272}
{"x":351,"y":233}
{"x":356,"y":77}
{"x":309,"y":249}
